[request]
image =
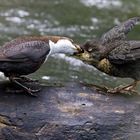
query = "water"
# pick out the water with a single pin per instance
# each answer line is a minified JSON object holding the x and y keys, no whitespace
{"x":78,"y":19}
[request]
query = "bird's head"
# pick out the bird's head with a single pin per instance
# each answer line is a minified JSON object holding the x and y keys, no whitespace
{"x":91,"y":53}
{"x":64,"y":45}
{"x":92,"y":47}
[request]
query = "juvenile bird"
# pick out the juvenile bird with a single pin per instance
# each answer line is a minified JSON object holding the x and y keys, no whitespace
{"x":115,"y":55}
{"x":25,"y":55}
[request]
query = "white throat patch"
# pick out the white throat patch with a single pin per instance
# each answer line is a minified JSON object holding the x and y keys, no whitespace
{"x":62,"y":46}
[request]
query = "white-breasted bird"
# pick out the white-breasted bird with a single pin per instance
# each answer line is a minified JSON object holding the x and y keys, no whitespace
{"x":25,"y":55}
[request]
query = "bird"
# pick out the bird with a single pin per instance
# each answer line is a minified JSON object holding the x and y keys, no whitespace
{"x":116,"y":55}
{"x":25,"y":55}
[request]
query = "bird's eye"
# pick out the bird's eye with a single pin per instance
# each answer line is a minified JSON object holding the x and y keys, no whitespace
{"x":90,"y":49}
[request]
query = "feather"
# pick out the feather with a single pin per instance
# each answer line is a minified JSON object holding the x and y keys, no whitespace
{"x":119,"y":32}
{"x":125,"y":53}
{"x":30,"y":50}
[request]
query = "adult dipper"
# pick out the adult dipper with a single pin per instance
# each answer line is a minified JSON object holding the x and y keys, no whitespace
{"x":25,"y":55}
{"x":115,"y":55}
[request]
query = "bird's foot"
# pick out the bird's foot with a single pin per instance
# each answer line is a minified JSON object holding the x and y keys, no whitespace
{"x":123,"y":90}
{"x":128,"y":90}
{"x":17,"y":81}
{"x":32,"y":91}
{"x":27,"y":79}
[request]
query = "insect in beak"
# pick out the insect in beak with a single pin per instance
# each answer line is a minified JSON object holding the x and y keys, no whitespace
{"x":79,"y":49}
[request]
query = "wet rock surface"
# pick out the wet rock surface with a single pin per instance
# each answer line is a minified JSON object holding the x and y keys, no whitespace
{"x":71,"y":112}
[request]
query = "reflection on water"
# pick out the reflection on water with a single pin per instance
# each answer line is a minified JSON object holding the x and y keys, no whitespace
{"x":78,"y":19}
{"x":102,"y":3}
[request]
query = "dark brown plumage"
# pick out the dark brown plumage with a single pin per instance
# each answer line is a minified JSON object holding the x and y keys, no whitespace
{"x":114,"y":54}
{"x":25,"y":55}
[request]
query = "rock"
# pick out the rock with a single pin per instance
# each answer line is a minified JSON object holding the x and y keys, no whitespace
{"x":71,"y":112}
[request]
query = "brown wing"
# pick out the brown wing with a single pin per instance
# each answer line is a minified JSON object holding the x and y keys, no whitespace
{"x":119,"y":32}
{"x":20,"y":51}
{"x":125,"y":53}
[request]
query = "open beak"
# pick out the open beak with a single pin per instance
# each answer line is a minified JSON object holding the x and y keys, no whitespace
{"x":79,"y":49}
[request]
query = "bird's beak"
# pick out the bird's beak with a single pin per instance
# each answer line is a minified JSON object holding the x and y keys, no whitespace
{"x":79,"y":49}
{"x":84,"y":56}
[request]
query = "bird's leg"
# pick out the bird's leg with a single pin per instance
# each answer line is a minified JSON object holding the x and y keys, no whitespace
{"x":124,"y":89}
{"x":27,"y":79}
{"x":28,"y":90}
{"x":128,"y":89}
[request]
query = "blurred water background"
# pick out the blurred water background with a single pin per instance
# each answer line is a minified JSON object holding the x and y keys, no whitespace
{"x":78,"y":19}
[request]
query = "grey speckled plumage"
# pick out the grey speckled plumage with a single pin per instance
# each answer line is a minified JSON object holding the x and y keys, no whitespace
{"x":115,"y":39}
{"x":113,"y":53}
{"x":119,"y":32}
